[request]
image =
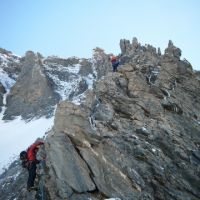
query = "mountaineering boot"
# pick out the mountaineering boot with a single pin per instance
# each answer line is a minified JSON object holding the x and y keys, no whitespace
{"x":33,"y":188}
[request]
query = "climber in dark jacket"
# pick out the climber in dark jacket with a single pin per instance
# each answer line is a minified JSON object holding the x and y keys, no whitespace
{"x":115,"y":62}
{"x":29,"y":161}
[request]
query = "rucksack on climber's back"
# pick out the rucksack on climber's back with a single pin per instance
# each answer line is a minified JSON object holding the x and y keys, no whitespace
{"x":24,"y":158}
{"x":23,"y":155}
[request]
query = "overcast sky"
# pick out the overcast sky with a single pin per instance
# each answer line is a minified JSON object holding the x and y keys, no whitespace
{"x":74,"y":27}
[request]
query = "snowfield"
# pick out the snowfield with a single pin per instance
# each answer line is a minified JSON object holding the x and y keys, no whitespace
{"x":17,"y":135}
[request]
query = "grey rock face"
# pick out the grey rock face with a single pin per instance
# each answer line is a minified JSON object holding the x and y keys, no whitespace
{"x":159,"y":51}
{"x":1,"y":102}
{"x":2,"y":89}
{"x":184,"y":67}
{"x":125,"y":46}
{"x":61,"y":61}
{"x":172,"y":52}
{"x":79,"y":181}
{"x":101,"y":62}
{"x":32,"y":95}
{"x":86,"y":67}
{"x":135,"y":43}
{"x":128,"y":48}
{"x":136,"y":135}
{"x":197,"y":75}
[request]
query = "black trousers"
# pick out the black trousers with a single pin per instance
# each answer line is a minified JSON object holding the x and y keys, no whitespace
{"x":31,"y":174}
{"x":115,"y":65}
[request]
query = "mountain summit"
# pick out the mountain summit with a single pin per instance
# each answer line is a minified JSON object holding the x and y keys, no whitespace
{"x":130,"y":135}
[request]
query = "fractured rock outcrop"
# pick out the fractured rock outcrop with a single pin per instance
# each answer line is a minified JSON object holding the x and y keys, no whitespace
{"x":136,"y":135}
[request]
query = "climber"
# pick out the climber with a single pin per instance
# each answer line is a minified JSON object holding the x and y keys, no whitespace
{"x":115,"y":62}
{"x":29,"y":161}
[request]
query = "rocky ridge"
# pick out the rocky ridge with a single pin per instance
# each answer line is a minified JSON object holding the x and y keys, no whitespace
{"x":136,"y":135}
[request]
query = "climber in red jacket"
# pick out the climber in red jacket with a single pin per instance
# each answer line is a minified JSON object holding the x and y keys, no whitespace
{"x":115,"y":62}
{"x":29,"y":161}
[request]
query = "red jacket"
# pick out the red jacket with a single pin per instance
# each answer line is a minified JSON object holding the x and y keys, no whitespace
{"x":113,"y":59}
{"x":32,"y":151}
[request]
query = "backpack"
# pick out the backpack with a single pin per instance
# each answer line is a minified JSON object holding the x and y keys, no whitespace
{"x":24,"y":158}
{"x":23,"y":155}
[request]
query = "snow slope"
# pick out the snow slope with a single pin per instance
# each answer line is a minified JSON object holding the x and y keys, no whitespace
{"x":17,"y":135}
